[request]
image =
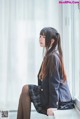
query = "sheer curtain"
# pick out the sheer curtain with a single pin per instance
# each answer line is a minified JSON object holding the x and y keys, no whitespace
{"x":71,"y":46}
{"x":20,"y":53}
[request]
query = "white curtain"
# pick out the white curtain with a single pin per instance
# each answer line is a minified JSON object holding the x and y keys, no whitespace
{"x":71,"y":46}
{"x":20,"y":53}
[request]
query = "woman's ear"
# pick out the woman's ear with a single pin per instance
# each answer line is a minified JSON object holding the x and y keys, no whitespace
{"x":52,"y":41}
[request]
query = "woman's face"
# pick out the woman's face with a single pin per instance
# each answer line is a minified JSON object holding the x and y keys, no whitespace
{"x":42,"y":40}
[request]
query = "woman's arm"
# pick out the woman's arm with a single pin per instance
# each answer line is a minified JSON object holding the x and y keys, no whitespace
{"x":54,"y":81}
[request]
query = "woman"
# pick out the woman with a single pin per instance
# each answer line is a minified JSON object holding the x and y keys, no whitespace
{"x":52,"y":91}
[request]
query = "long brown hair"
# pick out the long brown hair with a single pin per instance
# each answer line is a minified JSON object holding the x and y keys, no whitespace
{"x":51,"y":33}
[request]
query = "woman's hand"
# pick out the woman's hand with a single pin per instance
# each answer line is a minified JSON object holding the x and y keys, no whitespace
{"x":50,"y":111}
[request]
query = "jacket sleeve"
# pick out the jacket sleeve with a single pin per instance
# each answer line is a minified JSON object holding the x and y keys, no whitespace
{"x":54,"y":82}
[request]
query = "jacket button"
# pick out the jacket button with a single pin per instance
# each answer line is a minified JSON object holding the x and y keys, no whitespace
{"x":56,"y":103}
{"x":41,"y":89}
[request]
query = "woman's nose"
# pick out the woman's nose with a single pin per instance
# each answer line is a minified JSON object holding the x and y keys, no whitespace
{"x":39,"y":39}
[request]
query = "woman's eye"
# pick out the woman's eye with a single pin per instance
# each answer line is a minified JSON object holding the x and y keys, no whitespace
{"x":42,"y":36}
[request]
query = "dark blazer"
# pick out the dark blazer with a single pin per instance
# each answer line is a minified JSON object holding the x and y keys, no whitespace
{"x":53,"y":90}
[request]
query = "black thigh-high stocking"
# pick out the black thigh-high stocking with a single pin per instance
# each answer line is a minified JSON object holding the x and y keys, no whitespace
{"x":24,"y":107}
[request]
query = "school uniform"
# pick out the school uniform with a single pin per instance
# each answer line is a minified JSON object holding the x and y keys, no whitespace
{"x":52,"y":92}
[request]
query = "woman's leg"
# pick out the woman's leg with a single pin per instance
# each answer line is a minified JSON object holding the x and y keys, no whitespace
{"x":24,"y":107}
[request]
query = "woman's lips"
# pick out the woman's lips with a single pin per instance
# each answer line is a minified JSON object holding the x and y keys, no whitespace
{"x":40,"y":43}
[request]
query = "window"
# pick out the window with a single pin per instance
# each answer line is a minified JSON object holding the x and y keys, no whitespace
{"x":71,"y":46}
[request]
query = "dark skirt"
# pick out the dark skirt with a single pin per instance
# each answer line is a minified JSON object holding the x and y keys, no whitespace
{"x":34,"y":92}
{"x":36,"y":99}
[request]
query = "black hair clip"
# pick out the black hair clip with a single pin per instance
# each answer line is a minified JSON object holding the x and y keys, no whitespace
{"x":57,"y":35}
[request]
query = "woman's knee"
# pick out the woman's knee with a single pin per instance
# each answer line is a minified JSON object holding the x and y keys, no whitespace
{"x":25,"y":89}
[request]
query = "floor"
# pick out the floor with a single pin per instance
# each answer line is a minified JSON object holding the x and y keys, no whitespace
{"x":59,"y":114}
